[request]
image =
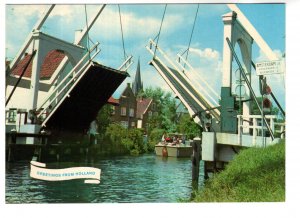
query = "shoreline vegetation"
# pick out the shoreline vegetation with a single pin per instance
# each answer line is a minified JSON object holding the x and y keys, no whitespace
{"x":254,"y":175}
{"x":114,"y":139}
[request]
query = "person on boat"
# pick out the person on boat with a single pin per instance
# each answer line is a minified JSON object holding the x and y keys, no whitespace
{"x":168,"y":139}
{"x":183,"y":139}
{"x":163,"y":138}
{"x":174,"y":139}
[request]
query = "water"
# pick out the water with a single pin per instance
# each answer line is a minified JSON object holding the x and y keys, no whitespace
{"x":146,"y":178}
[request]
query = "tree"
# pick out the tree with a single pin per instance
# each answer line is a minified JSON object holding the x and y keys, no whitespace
{"x":166,"y":107}
{"x":103,"y":119}
{"x":187,"y":126}
{"x":129,"y":139}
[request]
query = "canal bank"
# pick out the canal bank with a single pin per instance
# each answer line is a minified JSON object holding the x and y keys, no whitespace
{"x":254,"y":175}
{"x":134,"y":179}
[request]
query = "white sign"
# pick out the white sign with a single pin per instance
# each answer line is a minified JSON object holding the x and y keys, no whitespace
{"x":269,"y":67}
{"x":39,"y":171}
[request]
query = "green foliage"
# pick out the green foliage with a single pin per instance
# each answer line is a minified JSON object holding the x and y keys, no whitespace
{"x":155,"y":137}
{"x":128,"y":139}
{"x":135,"y":136}
{"x":255,"y":175}
{"x":131,"y":140}
{"x":115,"y":133}
{"x":166,"y":107}
{"x":103,"y":119}
{"x":187,"y":126}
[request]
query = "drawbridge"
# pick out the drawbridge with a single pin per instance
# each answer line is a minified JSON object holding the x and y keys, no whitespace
{"x":198,"y":104}
{"x":233,"y":125}
{"x":64,"y":98}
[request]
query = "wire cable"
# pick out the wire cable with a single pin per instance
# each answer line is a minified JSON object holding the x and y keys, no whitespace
{"x":87,"y":27}
{"x":124,"y":51}
{"x":162,"y":20}
{"x":190,"y":40}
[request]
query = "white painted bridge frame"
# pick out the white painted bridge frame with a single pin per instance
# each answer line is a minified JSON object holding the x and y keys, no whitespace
{"x":153,"y":45}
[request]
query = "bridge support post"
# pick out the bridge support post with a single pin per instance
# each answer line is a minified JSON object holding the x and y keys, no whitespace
{"x":196,"y":163}
{"x":237,"y":34}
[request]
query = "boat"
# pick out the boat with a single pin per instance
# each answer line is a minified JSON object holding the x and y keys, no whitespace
{"x":174,"y":146}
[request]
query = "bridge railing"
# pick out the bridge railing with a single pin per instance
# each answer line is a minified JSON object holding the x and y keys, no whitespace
{"x":62,"y":89}
{"x":181,"y":79}
{"x":204,"y":87}
{"x":255,"y":122}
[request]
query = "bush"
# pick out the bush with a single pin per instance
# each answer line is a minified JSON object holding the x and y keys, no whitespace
{"x":188,"y":127}
{"x":135,"y":136}
{"x":155,"y":137}
{"x":129,"y":139}
{"x":115,"y":132}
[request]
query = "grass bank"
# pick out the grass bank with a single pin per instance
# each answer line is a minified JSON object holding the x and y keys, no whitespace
{"x":255,"y":175}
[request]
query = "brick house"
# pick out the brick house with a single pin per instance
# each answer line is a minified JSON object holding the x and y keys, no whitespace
{"x":146,"y":108}
{"x":124,"y":108}
{"x":140,"y":109}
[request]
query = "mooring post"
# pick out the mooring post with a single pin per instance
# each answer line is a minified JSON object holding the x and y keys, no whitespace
{"x":9,"y":158}
{"x":196,"y":162}
{"x":12,"y":142}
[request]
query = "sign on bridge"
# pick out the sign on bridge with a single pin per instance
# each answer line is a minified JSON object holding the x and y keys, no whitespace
{"x":269,"y":67}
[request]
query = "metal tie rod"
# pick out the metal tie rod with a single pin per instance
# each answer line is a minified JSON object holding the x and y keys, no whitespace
{"x":249,"y":85}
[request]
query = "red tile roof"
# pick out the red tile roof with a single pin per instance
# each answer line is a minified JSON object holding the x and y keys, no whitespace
{"x":142,"y":105}
{"x":113,"y":101}
{"x":51,"y":62}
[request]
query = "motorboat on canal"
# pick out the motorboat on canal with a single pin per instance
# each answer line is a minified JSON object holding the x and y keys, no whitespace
{"x":174,"y":145}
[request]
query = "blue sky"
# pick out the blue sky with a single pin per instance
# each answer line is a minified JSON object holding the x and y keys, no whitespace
{"x":142,"y":21}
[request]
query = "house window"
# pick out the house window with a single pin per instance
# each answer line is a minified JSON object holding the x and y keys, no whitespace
{"x":153,"y":106}
{"x":131,"y":112}
{"x":150,"y":113}
{"x":124,"y":124}
{"x":123,"y":111}
{"x":132,"y":124}
{"x":11,"y":115}
{"x":113,"y":110}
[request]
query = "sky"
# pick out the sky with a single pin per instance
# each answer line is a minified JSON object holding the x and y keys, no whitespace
{"x":140,"y":22}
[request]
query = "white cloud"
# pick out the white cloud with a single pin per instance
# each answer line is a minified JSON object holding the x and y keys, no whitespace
{"x":108,"y":24}
{"x":19,"y":22}
{"x":27,"y":11}
{"x":68,"y":12}
{"x":207,"y":53}
{"x":208,"y":66}
{"x":263,"y":57}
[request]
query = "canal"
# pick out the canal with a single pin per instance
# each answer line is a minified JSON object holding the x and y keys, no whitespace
{"x":134,"y":179}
